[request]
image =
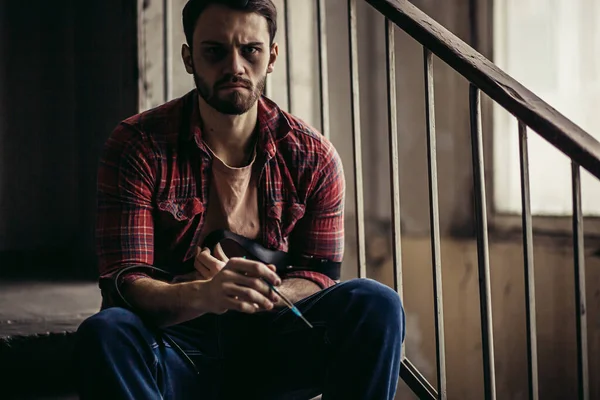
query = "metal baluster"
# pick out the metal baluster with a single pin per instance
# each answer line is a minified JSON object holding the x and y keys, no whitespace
{"x":487,"y":334}
{"x":580,"y":300}
{"x":323,"y":75}
{"x":434,"y":219}
{"x":532,"y":361}
{"x":394,"y":163}
{"x":167,"y":46}
{"x":390,"y":45}
{"x":288,"y":54}
{"x":356,"y":139}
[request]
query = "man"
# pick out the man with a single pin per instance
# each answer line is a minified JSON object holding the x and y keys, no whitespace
{"x":223,"y":157}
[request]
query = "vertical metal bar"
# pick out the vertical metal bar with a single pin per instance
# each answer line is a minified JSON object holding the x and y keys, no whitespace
{"x":288,"y":54}
{"x":434,"y":219}
{"x":532,"y":361}
{"x":168,"y":45}
{"x":487,"y":333}
{"x":390,"y":46}
{"x":356,"y":139}
{"x":580,"y":300}
{"x":394,"y":159}
{"x":323,"y":72}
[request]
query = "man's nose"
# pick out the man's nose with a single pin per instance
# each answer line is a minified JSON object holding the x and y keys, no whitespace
{"x":235,"y":63}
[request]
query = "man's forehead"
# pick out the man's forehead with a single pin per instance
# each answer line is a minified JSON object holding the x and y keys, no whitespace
{"x":221,"y":24}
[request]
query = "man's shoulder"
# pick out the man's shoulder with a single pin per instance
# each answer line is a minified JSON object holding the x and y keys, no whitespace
{"x":163,"y":120}
{"x":304,"y":137}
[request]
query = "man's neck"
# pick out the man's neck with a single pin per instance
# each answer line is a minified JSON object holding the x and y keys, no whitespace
{"x":230,"y":137}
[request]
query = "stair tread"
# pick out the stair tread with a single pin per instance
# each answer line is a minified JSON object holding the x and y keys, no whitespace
{"x":37,"y":324}
{"x":39,"y":308}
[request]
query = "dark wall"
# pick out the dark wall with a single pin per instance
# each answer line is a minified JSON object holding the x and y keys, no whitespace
{"x":69,"y":75}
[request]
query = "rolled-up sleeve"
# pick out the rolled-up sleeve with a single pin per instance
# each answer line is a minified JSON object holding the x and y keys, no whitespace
{"x":124,"y":225}
{"x":320,"y":233}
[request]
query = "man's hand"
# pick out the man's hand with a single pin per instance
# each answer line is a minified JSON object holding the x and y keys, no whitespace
{"x":208,"y":265}
{"x":238,"y":286}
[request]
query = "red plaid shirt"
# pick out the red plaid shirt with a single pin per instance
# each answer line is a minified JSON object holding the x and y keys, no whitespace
{"x":153,"y":184}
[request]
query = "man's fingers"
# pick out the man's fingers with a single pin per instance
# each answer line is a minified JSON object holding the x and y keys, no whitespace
{"x":220,"y":254}
{"x":242,"y":306}
{"x":254,"y":269}
{"x":204,"y":260}
{"x":254,"y":283}
{"x":257,"y":284}
{"x":248,"y":295}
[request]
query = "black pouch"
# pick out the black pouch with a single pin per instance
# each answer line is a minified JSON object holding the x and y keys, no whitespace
{"x":284,"y":262}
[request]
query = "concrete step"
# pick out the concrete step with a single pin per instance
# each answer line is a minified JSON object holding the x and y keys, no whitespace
{"x":37,"y":324}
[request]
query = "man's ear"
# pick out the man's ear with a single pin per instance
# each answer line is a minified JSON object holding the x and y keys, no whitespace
{"x":186,"y":55}
{"x":273,"y":57}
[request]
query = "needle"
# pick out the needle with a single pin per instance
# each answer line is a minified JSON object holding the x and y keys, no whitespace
{"x":287,"y":302}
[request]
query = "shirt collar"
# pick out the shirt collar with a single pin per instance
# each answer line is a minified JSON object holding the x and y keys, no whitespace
{"x":273,"y":125}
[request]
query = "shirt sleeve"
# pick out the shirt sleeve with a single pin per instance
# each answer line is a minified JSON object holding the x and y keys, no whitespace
{"x":320,"y":232}
{"x":124,"y":225}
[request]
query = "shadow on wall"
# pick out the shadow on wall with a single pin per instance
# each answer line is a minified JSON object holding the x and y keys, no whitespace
{"x":68,"y":79}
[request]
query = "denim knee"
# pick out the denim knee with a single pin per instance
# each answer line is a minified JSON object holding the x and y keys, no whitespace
{"x":108,"y":325}
{"x":380,"y":305}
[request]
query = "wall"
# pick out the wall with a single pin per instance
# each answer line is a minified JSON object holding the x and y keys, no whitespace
{"x":80,"y":78}
{"x":555,"y":309}
{"x":554,"y":284}
{"x":68,"y":79}
{"x":39,"y":153}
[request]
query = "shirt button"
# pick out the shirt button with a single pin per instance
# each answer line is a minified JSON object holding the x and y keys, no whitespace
{"x":179,"y":214}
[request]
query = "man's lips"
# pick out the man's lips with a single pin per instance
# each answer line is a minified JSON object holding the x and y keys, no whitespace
{"x":233,"y":86}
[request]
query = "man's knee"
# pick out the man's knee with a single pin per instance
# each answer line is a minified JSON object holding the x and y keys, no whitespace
{"x":108,"y":325}
{"x":379,"y":304}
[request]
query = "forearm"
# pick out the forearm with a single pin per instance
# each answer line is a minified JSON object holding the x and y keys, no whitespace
{"x":296,"y":289}
{"x":166,"y":304}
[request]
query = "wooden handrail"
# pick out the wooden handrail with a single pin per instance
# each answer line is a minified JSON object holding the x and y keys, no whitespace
{"x":561,"y":132}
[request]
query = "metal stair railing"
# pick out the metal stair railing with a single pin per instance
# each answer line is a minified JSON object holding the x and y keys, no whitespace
{"x":531,"y":112}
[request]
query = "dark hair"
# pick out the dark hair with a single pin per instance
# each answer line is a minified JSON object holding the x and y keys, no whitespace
{"x":194,"y":8}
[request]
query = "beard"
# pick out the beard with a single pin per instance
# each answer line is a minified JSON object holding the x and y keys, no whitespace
{"x":235,"y":102}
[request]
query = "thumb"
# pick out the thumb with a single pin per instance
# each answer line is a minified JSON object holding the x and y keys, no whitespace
{"x":220,"y":254}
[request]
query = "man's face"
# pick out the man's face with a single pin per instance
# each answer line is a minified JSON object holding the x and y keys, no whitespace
{"x":230,"y":58}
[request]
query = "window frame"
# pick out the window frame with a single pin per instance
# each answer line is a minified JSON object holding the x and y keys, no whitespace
{"x":503,"y":224}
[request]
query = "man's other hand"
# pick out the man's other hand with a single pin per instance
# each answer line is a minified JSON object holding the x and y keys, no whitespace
{"x":239,"y":286}
{"x":207,"y":265}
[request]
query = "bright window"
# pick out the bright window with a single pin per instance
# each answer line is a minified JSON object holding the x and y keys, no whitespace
{"x":552,"y":47}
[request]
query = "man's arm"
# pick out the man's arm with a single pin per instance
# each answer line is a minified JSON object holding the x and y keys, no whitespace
{"x":296,"y":289}
{"x":125,"y":237}
{"x":166,"y":304}
{"x":238,"y":286}
{"x":320,"y":232}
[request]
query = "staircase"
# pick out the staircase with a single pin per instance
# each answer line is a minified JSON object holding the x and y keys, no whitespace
{"x":37,"y":323}
{"x":37,"y":319}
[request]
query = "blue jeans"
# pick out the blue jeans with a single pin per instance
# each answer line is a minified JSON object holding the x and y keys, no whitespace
{"x":353,"y":352}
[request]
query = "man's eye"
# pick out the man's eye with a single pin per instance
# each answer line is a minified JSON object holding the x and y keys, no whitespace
{"x":213,"y":51}
{"x":251,"y":50}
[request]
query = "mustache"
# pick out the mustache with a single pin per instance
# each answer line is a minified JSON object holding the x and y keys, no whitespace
{"x":232,"y":79}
